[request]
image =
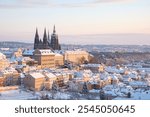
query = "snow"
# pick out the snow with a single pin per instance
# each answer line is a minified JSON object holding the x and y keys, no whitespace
{"x":137,"y":95}
{"x":138,"y":83}
{"x":91,"y":65}
{"x":2,"y":56}
{"x":50,"y":75}
{"x":22,"y":75}
{"x":75,"y":52}
{"x":56,"y":54}
{"x":94,"y":91}
{"x":37,"y":75}
{"x":114,"y":70}
{"x":63,"y":96}
{"x":9,"y":70}
{"x":104,"y":75}
{"x":46,"y":52}
{"x":28,"y":52}
{"x":16,"y":95}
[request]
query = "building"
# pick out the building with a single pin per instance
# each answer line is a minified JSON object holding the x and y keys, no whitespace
{"x":47,"y":43}
{"x":45,"y":58}
{"x":2,"y":80}
{"x":34,"y":81}
{"x":28,"y":53}
{"x":3,"y":61}
{"x":76,"y":56}
{"x":93,"y":67}
{"x":59,"y":59}
{"x":54,"y":41}
{"x":10,"y":77}
{"x":50,"y":79}
{"x":18,"y":53}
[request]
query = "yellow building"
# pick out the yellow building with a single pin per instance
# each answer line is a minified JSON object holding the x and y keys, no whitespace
{"x":76,"y":56}
{"x":11,"y":77}
{"x":2,"y":79}
{"x":59,"y":59}
{"x":34,"y":81}
{"x":3,"y":61}
{"x":50,"y":79}
{"x":45,"y":58}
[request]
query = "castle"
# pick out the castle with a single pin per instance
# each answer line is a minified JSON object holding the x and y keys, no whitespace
{"x":47,"y":43}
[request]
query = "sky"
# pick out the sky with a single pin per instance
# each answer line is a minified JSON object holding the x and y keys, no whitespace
{"x":77,"y":21}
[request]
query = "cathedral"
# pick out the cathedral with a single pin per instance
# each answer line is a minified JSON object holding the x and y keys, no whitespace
{"x":47,"y":43}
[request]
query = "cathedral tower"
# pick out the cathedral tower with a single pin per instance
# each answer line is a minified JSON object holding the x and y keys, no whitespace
{"x":54,"y":40}
{"x":45,"y":40}
{"x":36,"y":39}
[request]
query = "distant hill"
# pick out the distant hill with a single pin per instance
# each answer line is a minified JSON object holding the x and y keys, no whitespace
{"x":13,"y":44}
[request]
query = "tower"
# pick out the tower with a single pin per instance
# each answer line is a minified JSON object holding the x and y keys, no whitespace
{"x":45,"y":40}
{"x":47,"y":43}
{"x":49,"y":40}
{"x":54,"y":40}
{"x":36,"y":39}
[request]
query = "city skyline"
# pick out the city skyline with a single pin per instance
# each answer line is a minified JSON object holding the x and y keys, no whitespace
{"x":77,"y":22}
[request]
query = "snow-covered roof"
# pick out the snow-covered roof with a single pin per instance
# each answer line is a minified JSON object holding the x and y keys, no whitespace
{"x":56,"y":54}
{"x":46,"y":52}
{"x":114,"y":77}
{"x":2,"y":56}
{"x":37,"y":75}
{"x":75,"y":52}
{"x":114,"y":70}
{"x":104,"y":75}
{"x":91,"y":65}
{"x":138,"y":83}
{"x":9,"y":70}
{"x":15,"y":59}
{"x":50,"y":75}
{"x":28,"y":52}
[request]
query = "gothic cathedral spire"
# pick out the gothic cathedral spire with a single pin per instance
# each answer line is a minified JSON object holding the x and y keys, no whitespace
{"x":54,"y":31}
{"x":36,"y":39}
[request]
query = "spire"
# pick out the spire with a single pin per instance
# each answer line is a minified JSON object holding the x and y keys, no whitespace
{"x":36,"y":34}
{"x":45,"y":36}
{"x":48,"y":34}
{"x":54,"y":31}
{"x":45,"y":40}
{"x":45,"y":32}
{"x":36,"y":39}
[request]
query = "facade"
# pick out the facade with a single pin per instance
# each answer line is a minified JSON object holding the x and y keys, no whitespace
{"x":47,"y":43}
{"x":76,"y":56}
{"x":59,"y":59}
{"x":54,"y":41}
{"x":34,"y":81}
{"x":2,"y":80}
{"x":95,"y":68}
{"x":45,"y":58}
{"x":9,"y":77}
{"x":50,"y":79}
{"x":3,"y":61}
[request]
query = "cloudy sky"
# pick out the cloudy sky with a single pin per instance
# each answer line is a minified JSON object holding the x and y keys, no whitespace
{"x":77,"y":21}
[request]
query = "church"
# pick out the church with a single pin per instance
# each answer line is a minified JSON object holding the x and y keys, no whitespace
{"x":47,"y":43}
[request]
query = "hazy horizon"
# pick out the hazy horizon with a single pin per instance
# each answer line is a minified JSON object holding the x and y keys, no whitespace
{"x":77,"y":22}
{"x":99,"y":39}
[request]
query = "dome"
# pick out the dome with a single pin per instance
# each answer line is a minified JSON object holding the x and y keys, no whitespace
{"x":2,"y":56}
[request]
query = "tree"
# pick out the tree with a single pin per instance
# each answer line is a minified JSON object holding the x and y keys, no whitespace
{"x":102,"y":95}
{"x":129,"y":95}
{"x":85,"y":89}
